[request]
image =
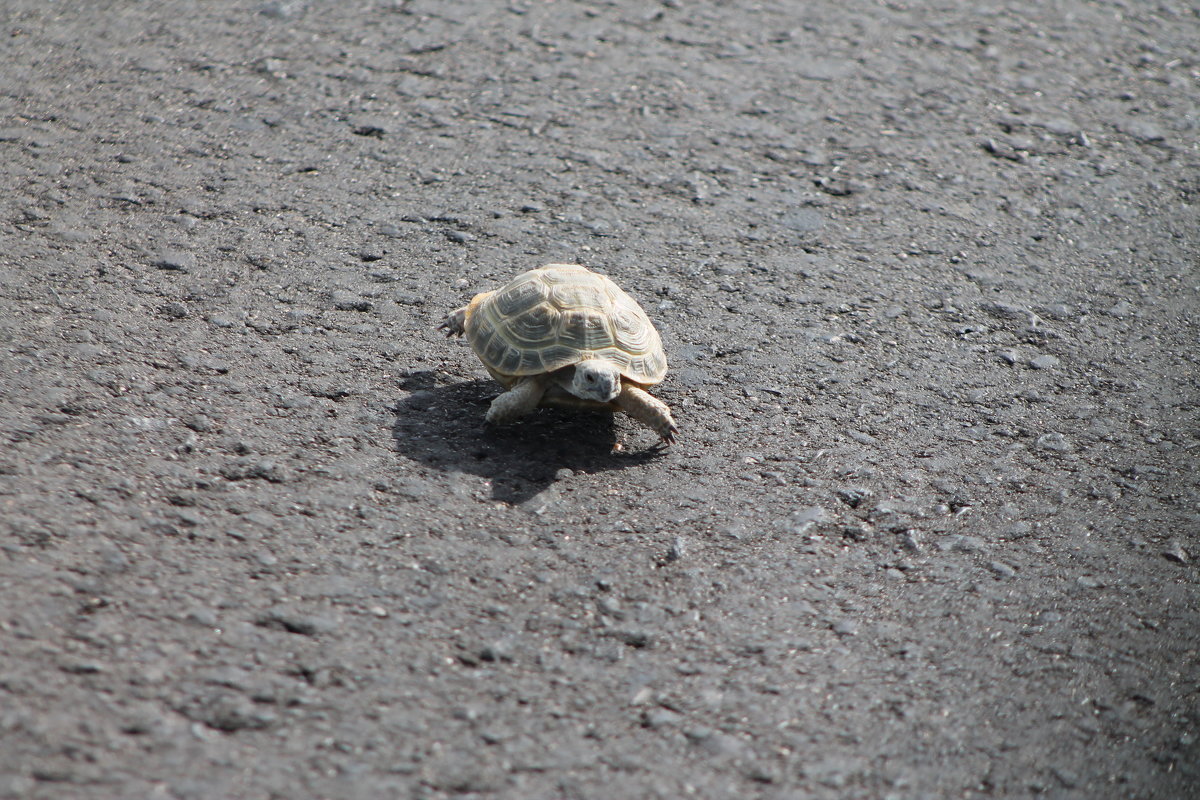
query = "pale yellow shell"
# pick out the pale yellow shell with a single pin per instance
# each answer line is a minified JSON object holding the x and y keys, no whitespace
{"x":559,"y":315}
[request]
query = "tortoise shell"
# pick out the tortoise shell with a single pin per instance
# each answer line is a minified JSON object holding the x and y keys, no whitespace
{"x":557,"y":316}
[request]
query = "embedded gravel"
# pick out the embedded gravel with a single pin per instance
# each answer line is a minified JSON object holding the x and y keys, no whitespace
{"x":927,"y":275}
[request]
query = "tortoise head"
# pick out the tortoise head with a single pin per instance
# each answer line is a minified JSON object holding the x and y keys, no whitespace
{"x":596,"y":379}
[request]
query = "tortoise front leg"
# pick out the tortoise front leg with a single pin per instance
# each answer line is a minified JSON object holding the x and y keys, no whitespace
{"x":648,"y":410}
{"x":518,"y":401}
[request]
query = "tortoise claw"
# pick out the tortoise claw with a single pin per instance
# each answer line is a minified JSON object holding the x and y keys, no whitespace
{"x":455,"y":324}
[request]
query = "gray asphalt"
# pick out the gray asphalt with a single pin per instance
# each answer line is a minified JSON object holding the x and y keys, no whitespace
{"x":927,"y":278}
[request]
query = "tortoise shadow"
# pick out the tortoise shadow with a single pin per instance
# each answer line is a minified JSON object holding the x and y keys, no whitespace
{"x":442,"y":426}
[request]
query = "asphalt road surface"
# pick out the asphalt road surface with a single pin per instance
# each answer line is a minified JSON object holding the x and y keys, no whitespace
{"x":927,"y":275}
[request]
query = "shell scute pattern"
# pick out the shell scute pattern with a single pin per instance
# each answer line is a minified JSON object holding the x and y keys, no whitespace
{"x":556,"y":316}
{"x":581,"y":294}
{"x":584,"y":329}
{"x":518,"y":297}
{"x":499,"y":354}
{"x":535,"y":327}
{"x":629,"y":332}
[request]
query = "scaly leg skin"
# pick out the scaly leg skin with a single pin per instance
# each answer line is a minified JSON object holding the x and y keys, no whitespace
{"x":649,"y":410}
{"x":455,"y":324}
{"x":517,"y":401}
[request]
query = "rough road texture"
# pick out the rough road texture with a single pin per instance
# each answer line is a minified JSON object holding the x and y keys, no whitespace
{"x":927,"y":275}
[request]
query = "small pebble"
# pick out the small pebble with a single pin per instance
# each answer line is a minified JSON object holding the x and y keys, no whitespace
{"x":348,"y":301}
{"x":1044,"y":362}
{"x":678,"y":549}
{"x":1055,"y":442}
{"x":1142,"y":130}
{"x":611,"y":606}
{"x":735,"y":532}
{"x":248,"y":124}
{"x":112,"y":560}
{"x":862,"y":438}
{"x":1174,"y":552}
{"x":175,"y":310}
{"x":71,"y":235}
{"x":714,"y":742}
{"x":249,"y":469}
{"x":803,"y":220}
{"x":801,"y":521}
{"x":656,"y":718}
{"x":1001,"y":569}
{"x":231,"y":713}
{"x":1005,"y":310}
{"x":202,"y":616}
{"x":1068,"y":778}
{"x":854,"y":496}
{"x":139,"y":723}
{"x":967,"y":544}
{"x":369,"y":129}
{"x":1018,"y":530}
{"x":764,"y":773}
{"x":299,"y":622}
{"x":635,"y":637}
{"x":1047,"y":618}
{"x":845,"y":627}
{"x":1060,"y":126}
{"x":282,"y":9}
{"x":1121,"y":309}
{"x":498,"y":650}
{"x":175,"y":260}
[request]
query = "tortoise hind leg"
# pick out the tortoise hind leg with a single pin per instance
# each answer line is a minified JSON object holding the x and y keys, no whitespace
{"x":648,"y":410}
{"x":455,"y":324}
{"x":518,"y":401}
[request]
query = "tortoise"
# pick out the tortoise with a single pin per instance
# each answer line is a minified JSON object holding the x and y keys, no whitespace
{"x":562,"y":335}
